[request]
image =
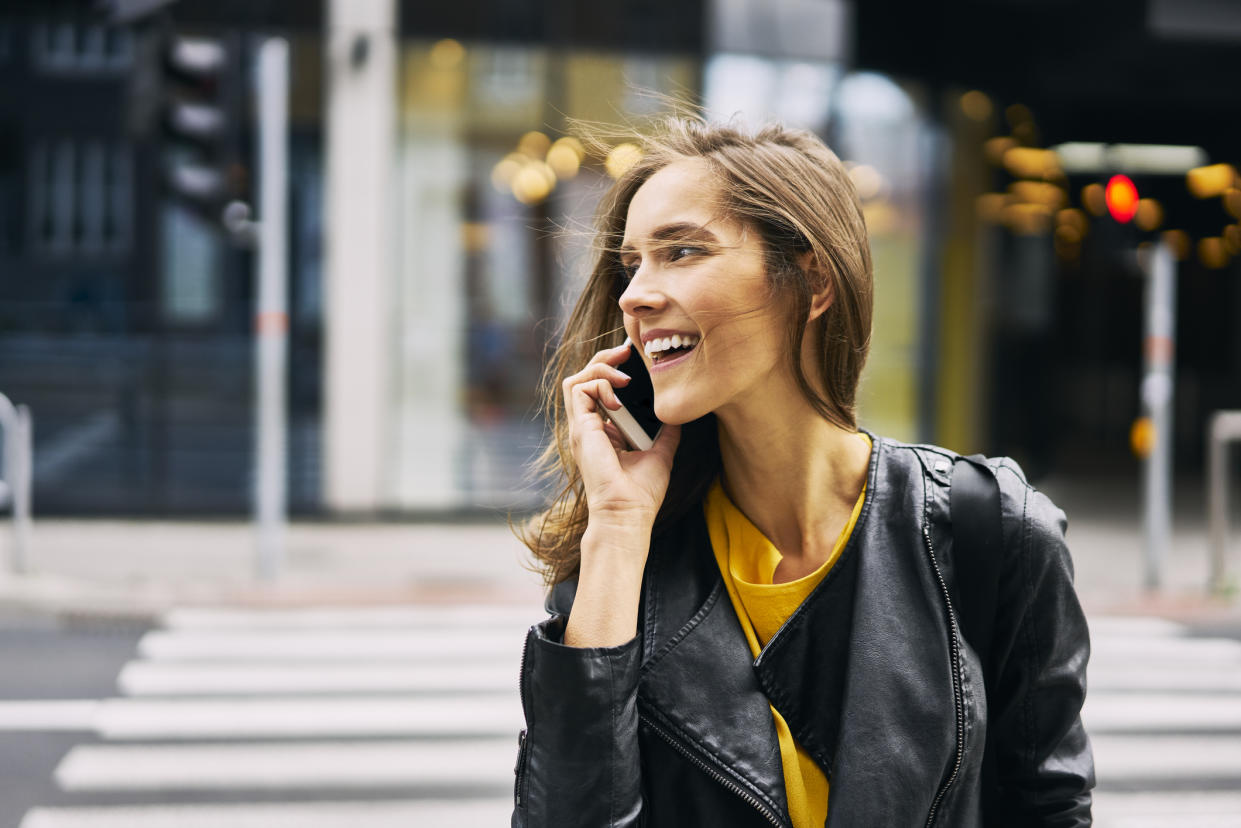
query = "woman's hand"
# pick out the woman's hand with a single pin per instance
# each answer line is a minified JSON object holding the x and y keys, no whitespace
{"x":623,"y":488}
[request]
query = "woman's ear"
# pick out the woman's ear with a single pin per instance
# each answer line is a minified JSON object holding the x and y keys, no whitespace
{"x":822,"y":298}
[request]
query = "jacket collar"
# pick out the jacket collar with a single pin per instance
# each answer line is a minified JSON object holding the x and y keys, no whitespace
{"x":861,"y":672}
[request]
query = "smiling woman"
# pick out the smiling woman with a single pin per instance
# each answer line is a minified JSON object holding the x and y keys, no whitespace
{"x":758,"y":610}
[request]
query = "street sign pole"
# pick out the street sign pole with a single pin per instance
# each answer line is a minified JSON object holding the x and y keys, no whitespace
{"x":1159,"y":356}
{"x":271,"y":329}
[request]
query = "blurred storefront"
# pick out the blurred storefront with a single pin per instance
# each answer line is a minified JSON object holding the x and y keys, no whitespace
{"x":441,"y":217}
{"x":440,"y":225}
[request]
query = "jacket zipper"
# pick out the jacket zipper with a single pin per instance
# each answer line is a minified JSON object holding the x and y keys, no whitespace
{"x":957,"y":694}
{"x":714,"y":774}
{"x":522,"y":747}
{"x":520,"y":768}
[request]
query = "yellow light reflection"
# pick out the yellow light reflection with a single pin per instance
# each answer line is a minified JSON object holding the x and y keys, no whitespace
{"x":503,"y":173}
{"x":1075,"y":218}
{"x":620,"y":158}
{"x":1030,"y":162}
{"x":1094,"y":198}
{"x":1149,"y":215}
{"x":868,"y":181}
{"x":1212,"y":253}
{"x":1214,"y":180}
{"x":565,"y":157}
{"x":534,"y":144}
{"x":1232,"y":239}
{"x":996,"y":147}
{"x":1232,"y":201}
{"x":1178,"y":242}
{"x":976,"y":105}
{"x":533,"y":183}
{"x":1067,"y":234}
{"x":1038,"y":192}
{"x":446,"y":54}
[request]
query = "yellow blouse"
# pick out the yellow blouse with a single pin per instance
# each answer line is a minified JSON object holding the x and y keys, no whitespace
{"x":748,"y":560}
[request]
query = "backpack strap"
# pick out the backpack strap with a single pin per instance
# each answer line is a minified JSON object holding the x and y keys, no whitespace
{"x":977,"y":550}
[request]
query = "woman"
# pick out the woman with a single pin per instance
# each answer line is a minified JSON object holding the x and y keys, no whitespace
{"x":751,"y":621}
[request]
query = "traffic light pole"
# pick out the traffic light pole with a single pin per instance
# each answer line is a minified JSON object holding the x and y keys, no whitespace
{"x":271,"y":321}
{"x":1159,"y":355}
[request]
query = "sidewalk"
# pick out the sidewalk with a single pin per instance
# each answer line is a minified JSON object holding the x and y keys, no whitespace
{"x":135,"y":569}
{"x":140,"y":568}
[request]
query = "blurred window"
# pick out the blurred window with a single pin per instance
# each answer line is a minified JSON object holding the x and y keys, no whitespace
{"x":80,"y":197}
{"x":190,"y":285}
{"x":80,"y":48}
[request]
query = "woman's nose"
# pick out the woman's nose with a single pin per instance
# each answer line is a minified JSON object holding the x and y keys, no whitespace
{"x":640,"y":296}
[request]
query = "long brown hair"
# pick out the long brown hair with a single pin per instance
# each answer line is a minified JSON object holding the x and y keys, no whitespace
{"x":794,"y":191}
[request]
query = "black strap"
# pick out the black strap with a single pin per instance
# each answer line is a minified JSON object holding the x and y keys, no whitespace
{"x":977,"y":550}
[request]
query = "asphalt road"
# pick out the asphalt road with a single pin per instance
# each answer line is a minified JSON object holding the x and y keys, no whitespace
{"x":44,"y":657}
{"x":1141,"y":678}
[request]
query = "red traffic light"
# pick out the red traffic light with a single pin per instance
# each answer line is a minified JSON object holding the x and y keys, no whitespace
{"x":1122,"y":198}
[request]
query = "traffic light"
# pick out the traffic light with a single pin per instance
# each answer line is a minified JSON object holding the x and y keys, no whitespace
{"x":184,"y":102}
{"x":1121,"y":197}
{"x":200,"y":169}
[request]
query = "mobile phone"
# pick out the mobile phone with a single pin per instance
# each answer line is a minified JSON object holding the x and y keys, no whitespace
{"x":636,"y":417}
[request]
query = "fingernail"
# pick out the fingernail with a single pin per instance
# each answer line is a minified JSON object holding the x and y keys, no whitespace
{"x":623,"y":374}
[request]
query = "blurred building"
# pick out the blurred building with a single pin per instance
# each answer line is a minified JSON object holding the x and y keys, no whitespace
{"x":441,"y":213}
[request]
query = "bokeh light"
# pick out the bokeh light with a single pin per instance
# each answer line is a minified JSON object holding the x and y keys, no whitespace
{"x":620,"y":158}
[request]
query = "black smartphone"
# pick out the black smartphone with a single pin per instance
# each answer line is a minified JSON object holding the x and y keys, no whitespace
{"x":636,"y":417}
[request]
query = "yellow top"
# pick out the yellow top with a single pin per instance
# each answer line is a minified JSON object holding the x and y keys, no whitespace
{"x":748,"y":560}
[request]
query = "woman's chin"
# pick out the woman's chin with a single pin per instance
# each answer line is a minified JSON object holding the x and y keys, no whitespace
{"x":675,"y":414}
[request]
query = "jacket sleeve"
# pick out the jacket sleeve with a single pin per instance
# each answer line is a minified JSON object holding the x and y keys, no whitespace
{"x":578,"y":763}
{"x":1043,"y":763}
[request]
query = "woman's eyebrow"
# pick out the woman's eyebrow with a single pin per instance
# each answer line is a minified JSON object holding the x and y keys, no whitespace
{"x":676,"y":230}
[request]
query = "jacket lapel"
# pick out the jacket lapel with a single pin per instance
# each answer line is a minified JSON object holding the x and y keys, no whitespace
{"x":898,"y":718}
{"x":698,"y":678}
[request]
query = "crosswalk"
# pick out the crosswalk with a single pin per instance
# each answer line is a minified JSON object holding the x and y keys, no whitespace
{"x":300,"y":718}
{"x":1163,"y":711}
{"x":309,"y":718}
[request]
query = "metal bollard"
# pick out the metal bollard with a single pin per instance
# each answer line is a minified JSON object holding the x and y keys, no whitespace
{"x":1225,"y":427}
{"x":15,"y":483}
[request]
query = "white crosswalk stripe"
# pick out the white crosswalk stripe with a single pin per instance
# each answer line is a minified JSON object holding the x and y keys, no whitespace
{"x":302,"y":717}
{"x":408,"y":716}
{"x":1164,"y":716}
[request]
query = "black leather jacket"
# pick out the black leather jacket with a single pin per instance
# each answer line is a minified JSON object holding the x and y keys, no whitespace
{"x":674,"y":727}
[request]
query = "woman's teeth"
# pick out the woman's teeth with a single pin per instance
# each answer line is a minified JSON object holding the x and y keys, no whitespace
{"x":657,"y":348}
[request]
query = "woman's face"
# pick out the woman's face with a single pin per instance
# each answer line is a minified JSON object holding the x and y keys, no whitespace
{"x":698,"y":283}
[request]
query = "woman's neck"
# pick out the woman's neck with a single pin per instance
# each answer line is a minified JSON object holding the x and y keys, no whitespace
{"x":796,"y":477}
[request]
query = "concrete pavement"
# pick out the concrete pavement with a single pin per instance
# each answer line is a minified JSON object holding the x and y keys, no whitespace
{"x":141,"y":568}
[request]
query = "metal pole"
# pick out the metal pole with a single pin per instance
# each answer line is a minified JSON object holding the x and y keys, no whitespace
{"x":1225,"y":427}
{"x":271,"y":306}
{"x":22,"y":485}
{"x":18,"y":429}
{"x":1159,"y":349}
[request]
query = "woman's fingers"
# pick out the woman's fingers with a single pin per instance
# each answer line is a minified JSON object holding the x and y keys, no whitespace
{"x":610,"y":356}
{"x":595,"y":382}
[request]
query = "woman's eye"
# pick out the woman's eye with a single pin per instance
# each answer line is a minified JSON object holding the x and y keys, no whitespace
{"x":681,"y":252}
{"x":628,"y":271}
